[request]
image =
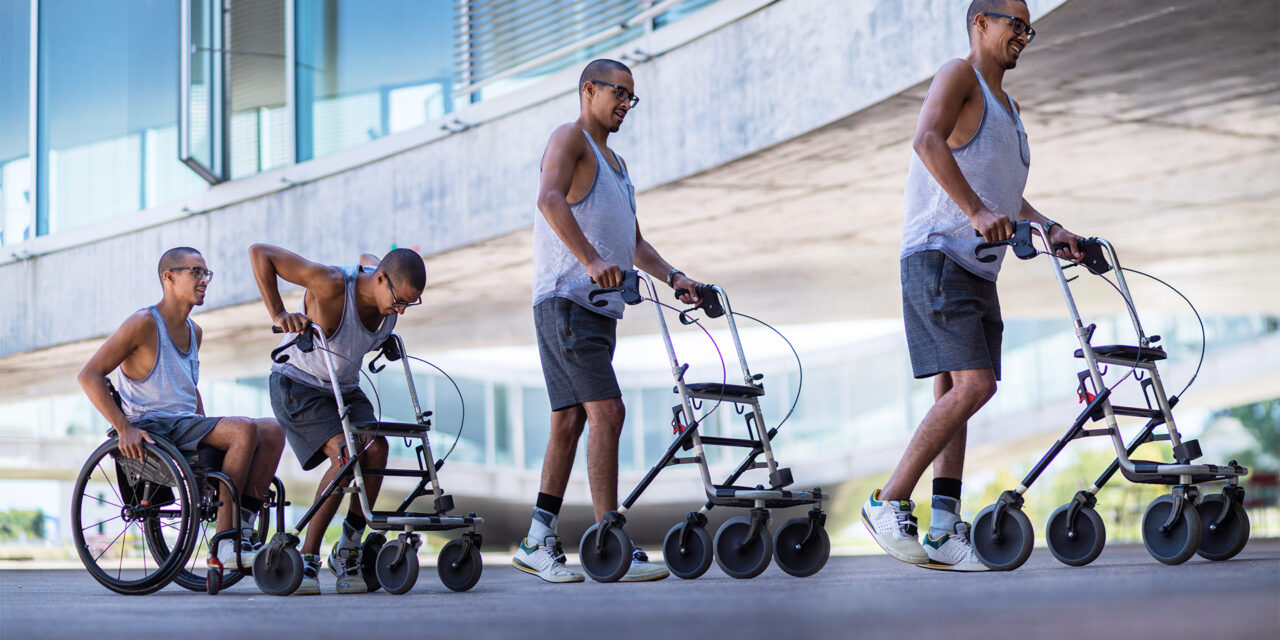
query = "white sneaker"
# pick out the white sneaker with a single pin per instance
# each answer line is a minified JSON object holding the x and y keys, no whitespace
{"x":345,"y":565}
{"x":248,"y":552}
{"x":893,"y":527}
{"x":545,"y":560}
{"x":952,"y":551}
{"x":310,"y":576}
{"x":642,"y":570}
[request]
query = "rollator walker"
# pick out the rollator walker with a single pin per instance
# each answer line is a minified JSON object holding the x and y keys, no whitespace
{"x":1175,"y":526}
{"x":742,"y":546}
{"x":393,"y":565}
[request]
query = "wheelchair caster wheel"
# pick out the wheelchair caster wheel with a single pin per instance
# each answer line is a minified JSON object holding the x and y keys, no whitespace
{"x":691,"y":557}
{"x":607,"y":559}
{"x":213,"y":581}
{"x":1179,"y":542}
{"x":1006,"y":546}
{"x":739,"y":553}
{"x":1079,"y":544}
{"x":278,"y":571}
{"x":368,"y":559}
{"x":1227,"y":538}
{"x":397,"y":577}
{"x":460,"y":565}
{"x":797,"y":550}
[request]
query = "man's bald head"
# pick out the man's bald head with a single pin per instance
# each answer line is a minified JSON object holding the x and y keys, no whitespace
{"x":601,"y":70}
{"x":979,"y":7}
{"x":173,"y":258}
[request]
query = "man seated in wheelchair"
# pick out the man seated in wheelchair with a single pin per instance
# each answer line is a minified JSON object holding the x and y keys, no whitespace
{"x":356,"y":307}
{"x":157,"y":352}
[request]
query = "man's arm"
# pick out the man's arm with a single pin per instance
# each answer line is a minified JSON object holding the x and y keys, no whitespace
{"x":954,"y":81}
{"x":268,"y":261}
{"x":564,"y":150}
{"x":92,"y":378}
{"x":1058,"y":234}
{"x":648,"y":259}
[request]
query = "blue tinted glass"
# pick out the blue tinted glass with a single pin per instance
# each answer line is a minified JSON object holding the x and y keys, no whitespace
{"x":15,"y":162}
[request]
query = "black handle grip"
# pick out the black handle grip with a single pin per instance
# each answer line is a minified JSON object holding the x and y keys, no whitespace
{"x":303,"y":341}
{"x":708,"y":300}
{"x":1020,"y":241}
{"x":630,"y":290}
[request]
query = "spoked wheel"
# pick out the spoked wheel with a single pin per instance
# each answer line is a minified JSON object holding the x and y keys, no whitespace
{"x":278,"y":567}
{"x":112,"y":503}
{"x":1224,"y":540}
{"x":369,"y":559}
{"x":609,"y":560}
{"x":1007,"y":546}
{"x":687,"y":550}
{"x":739,"y":553}
{"x":1076,"y":545}
{"x":1179,"y":542}
{"x":801,"y":549}
{"x":460,"y":565}
{"x":397,"y":576}
{"x":194,"y":574}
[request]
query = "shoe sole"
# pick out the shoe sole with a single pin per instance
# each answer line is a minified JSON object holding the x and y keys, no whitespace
{"x":892,"y":554}
{"x":534,"y":572}
{"x":937,"y":566}
{"x":648,"y":578}
{"x":308,"y":592}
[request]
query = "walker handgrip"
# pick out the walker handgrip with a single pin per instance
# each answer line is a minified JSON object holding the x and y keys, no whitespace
{"x":708,"y":300}
{"x":630,"y":290}
{"x":304,"y":343}
{"x":1020,"y":241}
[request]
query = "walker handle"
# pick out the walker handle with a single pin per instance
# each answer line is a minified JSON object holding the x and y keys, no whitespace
{"x":630,"y":290}
{"x":304,"y":342}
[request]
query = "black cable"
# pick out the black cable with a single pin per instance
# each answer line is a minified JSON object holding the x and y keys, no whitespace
{"x":1203,"y":338}
{"x":724,"y":369}
{"x":462,"y":419}
{"x":799,"y":365}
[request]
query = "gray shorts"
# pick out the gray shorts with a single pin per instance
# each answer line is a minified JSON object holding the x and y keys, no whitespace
{"x":952,"y":316}
{"x":185,"y":432}
{"x":576,"y":348}
{"x":310,"y":416}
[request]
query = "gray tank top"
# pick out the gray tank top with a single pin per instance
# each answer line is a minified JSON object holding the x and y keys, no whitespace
{"x":995,"y":162}
{"x":349,"y":343}
{"x":607,"y":216}
{"x":169,"y":390}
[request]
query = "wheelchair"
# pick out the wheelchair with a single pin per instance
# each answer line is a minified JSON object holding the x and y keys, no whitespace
{"x":140,"y":525}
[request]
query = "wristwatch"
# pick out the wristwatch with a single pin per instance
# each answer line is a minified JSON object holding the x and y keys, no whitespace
{"x":671,"y":277}
{"x":1048,"y":228}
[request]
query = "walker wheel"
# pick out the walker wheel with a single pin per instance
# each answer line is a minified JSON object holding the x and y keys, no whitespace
{"x":213,"y":581}
{"x":1082,"y":544}
{"x":368,"y":559}
{"x":400,"y":578}
{"x":1007,"y":546}
{"x":459,"y":565}
{"x":797,"y":555}
{"x":278,"y":573}
{"x":1226,"y":539}
{"x":610,"y":561}
{"x":694,"y":558}
{"x":741,"y":556}
{"x":1179,"y":543}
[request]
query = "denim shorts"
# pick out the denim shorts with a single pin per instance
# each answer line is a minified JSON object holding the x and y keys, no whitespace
{"x":952,"y":316}
{"x":576,"y":348}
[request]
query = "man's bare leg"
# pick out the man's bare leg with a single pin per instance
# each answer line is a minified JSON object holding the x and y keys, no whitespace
{"x":324,"y":515}
{"x":562,"y":448}
{"x":605,"y":418}
{"x":374,"y":457}
{"x":970,"y":390}
{"x":237,"y":438}
{"x":266,"y":457}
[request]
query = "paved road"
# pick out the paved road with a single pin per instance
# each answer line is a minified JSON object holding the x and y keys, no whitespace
{"x":1123,"y":594}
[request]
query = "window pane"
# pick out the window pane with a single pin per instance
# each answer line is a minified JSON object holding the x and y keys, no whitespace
{"x":15,"y":82}
{"x":365,"y":70}
{"x":257,"y":69}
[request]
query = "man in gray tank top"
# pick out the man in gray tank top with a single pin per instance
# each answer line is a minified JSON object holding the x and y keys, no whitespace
{"x":356,"y":307}
{"x":967,"y":173}
{"x":585,"y":236}
{"x":157,"y":352}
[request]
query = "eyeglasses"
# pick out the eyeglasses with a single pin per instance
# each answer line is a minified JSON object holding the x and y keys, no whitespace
{"x":622,"y":94}
{"x":1019,"y":25}
{"x":395,"y":300}
{"x":200,"y":273}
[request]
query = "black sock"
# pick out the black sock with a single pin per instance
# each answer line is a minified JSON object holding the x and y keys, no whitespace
{"x":252,"y":504}
{"x":549,"y":503}
{"x":356,"y":521}
{"x":949,"y":487}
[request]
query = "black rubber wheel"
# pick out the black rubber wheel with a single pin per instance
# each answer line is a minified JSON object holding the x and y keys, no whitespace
{"x":693,"y":558}
{"x":369,"y":559}
{"x":739,"y":556}
{"x":194,"y":575}
{"x":1083,"y":544}
{"x":278,"y":573}
{"x":1007,"y":548}
{"x":611,"y":561}
{"x":1179,"y":543}
{"x":797,"y":556}
{"x":459,"y":570}
{"x":400,"y":578}
{"x":117,"y":499}
{"x":1228,"y":538}
{"x":213,"y":581}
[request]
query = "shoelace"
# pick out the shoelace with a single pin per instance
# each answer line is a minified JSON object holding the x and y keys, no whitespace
{"x":906,"y":522}
{"x":310,"y":565}
{"x":352,"y":565}
{"x":638,"y":555}
{"x":557,"y":551}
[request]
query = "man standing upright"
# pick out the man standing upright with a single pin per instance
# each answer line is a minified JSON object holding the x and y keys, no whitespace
{"x":967,"y":173}
{"x":584,"y":239}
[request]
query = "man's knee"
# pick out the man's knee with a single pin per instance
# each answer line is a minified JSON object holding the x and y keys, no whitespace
{"x":270,"y":435}
{"x":976,"y":387}
{"x":231,"y":433}
{"x":378,"y":448}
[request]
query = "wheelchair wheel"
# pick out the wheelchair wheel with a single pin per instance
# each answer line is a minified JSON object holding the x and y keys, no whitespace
{"x":1082,"y":544}
{"x":193,"y":575}
{"x":1224,"y":541}
{"x":278,"y":567}
{"x":610,"y":561}
{"x":213,"y":581}
{"x":369,"y":559}
{"x":740,"y":555}
{"x":112,"y":503}
{"x":397,"y":577}
{"x":691,"y":559}
{"x":1004,"y":548}
{"x":1179,"y":543}
{"x":460,"y":565}
{"x":797,"y":555}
